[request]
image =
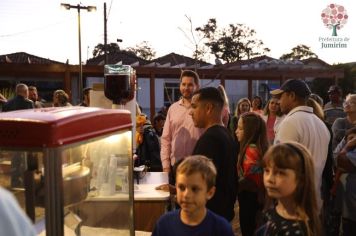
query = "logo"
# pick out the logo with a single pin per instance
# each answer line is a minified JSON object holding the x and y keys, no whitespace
{"x":334,"y":17}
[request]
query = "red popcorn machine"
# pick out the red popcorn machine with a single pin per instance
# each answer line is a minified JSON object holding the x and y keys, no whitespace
{"x":64,"y":165}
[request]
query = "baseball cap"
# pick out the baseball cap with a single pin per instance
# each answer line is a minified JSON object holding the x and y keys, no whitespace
{"x":334,"y":88}
{"x":299,"y":87}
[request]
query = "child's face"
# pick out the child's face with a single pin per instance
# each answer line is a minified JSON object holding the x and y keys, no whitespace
{"x":192,"y":193}
{"x":279,"y":183}
{"x":240,"y":130}
{"x":350,"y":136}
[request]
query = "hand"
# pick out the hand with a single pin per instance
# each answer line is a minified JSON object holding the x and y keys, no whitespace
{"x":167,"y":188}
{"x":351,"y":144}
{"x":167,"y":169}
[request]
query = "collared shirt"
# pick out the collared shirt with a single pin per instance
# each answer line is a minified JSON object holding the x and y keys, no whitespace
{"x":303,"y":126}
{"x":179,"y":134}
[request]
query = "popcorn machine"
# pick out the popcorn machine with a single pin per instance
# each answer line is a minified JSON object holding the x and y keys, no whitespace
{"x":64,"y":164}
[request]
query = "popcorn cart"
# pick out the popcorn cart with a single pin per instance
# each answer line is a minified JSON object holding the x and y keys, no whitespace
{"x":64,"y":164}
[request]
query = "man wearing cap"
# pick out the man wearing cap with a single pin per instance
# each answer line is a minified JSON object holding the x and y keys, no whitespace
{"x":302,"y":125}
{"x":334,"y":109}
{"x":335,"y":96}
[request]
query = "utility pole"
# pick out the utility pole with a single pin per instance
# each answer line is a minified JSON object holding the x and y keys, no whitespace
{"x":105,"y":36}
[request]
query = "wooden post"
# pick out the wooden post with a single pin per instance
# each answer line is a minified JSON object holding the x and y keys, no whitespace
{"x":152,"y":96}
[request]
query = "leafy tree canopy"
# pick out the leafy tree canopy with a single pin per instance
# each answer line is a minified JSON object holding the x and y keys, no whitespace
{"x":232,"y":43}
{"x":299,"y":52}
{"x":110,"y":48}
{"x":143,"y":50}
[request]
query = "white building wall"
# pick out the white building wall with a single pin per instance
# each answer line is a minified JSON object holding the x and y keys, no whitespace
{"x":235,"y":90}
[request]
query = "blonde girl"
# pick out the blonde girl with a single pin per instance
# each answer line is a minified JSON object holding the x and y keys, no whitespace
{"x":291,"y":207}
{"x":273,"y":116}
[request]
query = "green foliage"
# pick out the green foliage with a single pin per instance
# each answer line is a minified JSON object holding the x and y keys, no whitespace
{"x":320,"y":86}
{"x":110,"y":48}
{"x":348,"y":83}
{"x":143,"y":50}
{"x":300,"y":52}
{"x":233,"y":43}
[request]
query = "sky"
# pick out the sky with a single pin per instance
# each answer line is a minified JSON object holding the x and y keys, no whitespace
{"x":42,"y":28}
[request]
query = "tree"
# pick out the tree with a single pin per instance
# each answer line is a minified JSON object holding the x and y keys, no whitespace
{"x":143,"y":50}
{"x":334,"y":17}
{"x":299,"y":52}
{"x":233,"y":43}
{"x":110,"y":48}
{"x":200,"y":50}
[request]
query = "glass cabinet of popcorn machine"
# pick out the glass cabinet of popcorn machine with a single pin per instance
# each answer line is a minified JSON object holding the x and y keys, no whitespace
{"x":70,"y":169}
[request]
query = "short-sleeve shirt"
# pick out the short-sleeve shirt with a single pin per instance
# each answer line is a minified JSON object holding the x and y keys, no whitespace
{"x":277,"y":225}
{"x":170,"y":224}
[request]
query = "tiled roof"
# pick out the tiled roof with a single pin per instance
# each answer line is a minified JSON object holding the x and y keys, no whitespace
{"x":314,"y":60}
{"x":249,"y":61}
{"x":22,"y":57}
{"x":264,"y":62}
{"x":126,"y":58}
{"x":176,"y":59}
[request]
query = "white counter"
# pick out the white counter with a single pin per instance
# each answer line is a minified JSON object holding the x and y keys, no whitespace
{"x":144,"y":191}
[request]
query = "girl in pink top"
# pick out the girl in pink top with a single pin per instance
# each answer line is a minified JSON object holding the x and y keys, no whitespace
{"x":272,"y":115}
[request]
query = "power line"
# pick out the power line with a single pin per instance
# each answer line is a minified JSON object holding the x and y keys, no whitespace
{"x":31,"y":30}
{"x":107,"y":17}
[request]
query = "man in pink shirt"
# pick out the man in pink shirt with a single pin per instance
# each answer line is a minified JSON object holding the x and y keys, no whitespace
{"x":179,"y":133}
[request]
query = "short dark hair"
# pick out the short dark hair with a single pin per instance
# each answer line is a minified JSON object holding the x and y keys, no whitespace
{"x":86,"y":91}
{"x":158,"y":117}
{"x":31,"y":88}
{"x":190,"y":73}
{"x":210,"y":94}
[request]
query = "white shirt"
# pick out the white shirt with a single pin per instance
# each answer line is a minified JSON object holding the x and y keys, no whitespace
{"x":303,"y":126}
{"x":13,"y":220}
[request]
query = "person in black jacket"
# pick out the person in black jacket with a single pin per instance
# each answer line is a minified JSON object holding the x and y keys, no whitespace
{"x":148,"y":151}
{"x":217,"y":144}
{"x":20,"y":101}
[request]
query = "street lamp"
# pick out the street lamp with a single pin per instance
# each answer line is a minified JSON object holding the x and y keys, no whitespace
{"x":79,"y":7}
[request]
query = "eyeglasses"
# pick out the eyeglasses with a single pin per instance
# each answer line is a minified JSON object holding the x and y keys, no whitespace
{"x":349,"y":103}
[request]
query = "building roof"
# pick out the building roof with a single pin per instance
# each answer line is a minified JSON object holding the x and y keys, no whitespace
{"x":179,"y":60}
{"x":25,"y":58}
{"x":266,"y":62}
{"x":171,"y":60}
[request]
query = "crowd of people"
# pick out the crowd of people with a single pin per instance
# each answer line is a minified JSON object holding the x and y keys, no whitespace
{"x":289,"y":165}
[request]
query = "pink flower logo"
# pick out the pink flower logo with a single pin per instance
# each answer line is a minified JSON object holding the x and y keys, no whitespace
{"x":334,"y":17}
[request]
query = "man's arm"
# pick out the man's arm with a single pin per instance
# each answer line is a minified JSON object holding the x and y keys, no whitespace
{"x":166,"y":140}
